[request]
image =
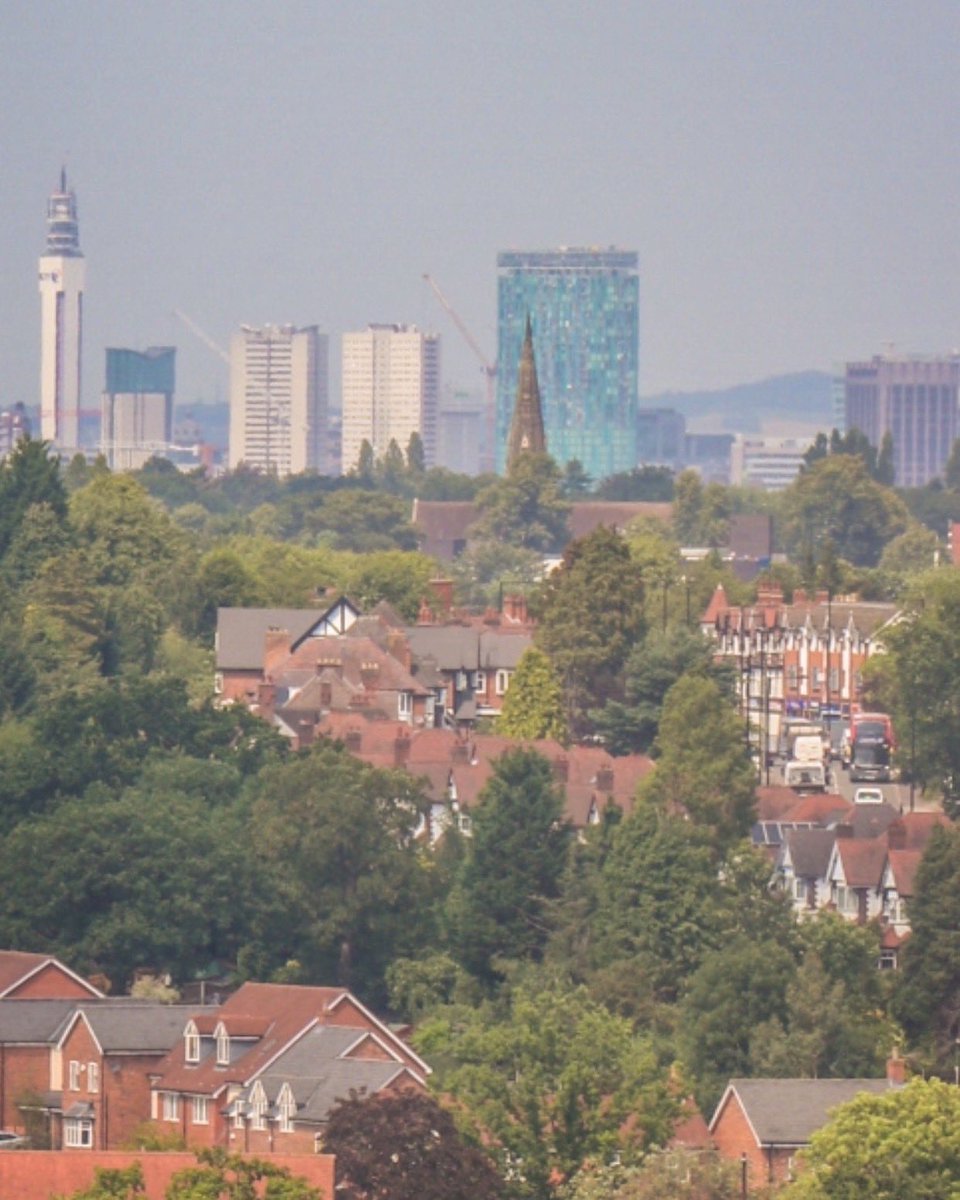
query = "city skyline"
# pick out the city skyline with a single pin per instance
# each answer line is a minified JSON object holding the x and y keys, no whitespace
{"x":779,"y":168}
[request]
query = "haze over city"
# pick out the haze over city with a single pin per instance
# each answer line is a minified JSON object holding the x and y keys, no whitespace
{"x":785,"y":173}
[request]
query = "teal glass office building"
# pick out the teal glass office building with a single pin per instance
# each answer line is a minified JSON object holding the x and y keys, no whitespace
{"x":584,"y":306}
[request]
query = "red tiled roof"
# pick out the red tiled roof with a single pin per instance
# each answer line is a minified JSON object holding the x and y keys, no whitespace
{"x":17,"y":965}
{"x":277,"y":1014}
{"x":903,"y":866}
{"x":862,"y":860}
{"x":819,"y":808}
{"x":774,"y":802}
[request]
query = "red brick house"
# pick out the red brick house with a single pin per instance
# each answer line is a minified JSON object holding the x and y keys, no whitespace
{"x":25,"y":976}
{"x":767,"y":1122}
{"x":105,"y":1055}
{"x":262,"y":1073}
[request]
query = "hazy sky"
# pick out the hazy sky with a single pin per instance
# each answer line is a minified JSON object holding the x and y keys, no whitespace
{"x":789,"y":171}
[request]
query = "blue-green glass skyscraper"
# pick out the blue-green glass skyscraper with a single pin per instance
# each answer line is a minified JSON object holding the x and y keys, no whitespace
{"x":584,"y":308}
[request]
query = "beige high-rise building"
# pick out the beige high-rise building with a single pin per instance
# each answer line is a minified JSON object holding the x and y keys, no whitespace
{"x":278,"y":399}
{"x":390,"y":389}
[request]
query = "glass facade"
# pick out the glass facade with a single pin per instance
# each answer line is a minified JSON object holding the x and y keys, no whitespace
{"x":584,"y":306}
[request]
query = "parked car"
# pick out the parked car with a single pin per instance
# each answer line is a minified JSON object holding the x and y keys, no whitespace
{"x":868,"y":796}
{"x":11,"y":1141}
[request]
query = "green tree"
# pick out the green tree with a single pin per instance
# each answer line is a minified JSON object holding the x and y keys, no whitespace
{"x":391,"y":470}
{"x":590,"y":614}
{"x":513,"y":867}
{"x":222,"y":580}
{"x":642,"y":483}
{"x":670,"y":1174}
{"x":220,"y":1175}
{"x":913,"y":552}
{"x":147,"y":878}
{"x":896,"y":1145}
{"x":29,"y":475}
{"x":920,"y":678}
{"x":927,"y":999}
{"x":348,"y":888}
{"x":652,"y":668}
{"x":886,"y":471}
{"x":114,"y":1183}
{"x":363,"y":521}
{"x":525,"y":508}
{"x":836,"y":498}
{"x":551,"y":1080}
{"x":574,"y":481}
{"x":416,"y":455}
{"x":363,"y":468}
{"x":951,"y":472}
{"x":533,"y":707}
{"x":656,"y":907}
{"x":397,"y":576}
{"x":732,"y":993}
{"x":703,"y":769}
{"x":701,"y":514}
{"x":405,"y":1147}
{"x":42,"y":535}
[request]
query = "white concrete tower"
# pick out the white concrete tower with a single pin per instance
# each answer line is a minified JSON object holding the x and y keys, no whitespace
{"x":278,"y":399}
{"x":62,"y":271}
{"x":390,"y":389}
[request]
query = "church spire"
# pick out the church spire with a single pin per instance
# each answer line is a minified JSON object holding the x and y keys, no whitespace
{"x":526,"y":428}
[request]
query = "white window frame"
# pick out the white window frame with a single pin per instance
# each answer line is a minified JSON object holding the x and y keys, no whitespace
{"x":199,"y":1114}
{"x":502,"y":682}
{"x":171,"y":1106}
{"x":93,"y":1077}
{"x":238,"y":1115}
{"x":404,"y":703}
{"x":74,"y":1069}
{"x":223,"y":1046}
{"x":78,"y":1133}
{"x":191,"y":1044}
{"x":258,"y":1107}
{"x":286,"y":1109}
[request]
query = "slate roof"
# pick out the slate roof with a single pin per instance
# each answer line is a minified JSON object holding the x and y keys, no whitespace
{"x":241,"y":633}
{"x":33,"y":1022}
{"x":321,"y":1071}
{"x":809,"y":851}
{"x":272,"y":1016}
{"x":862,"y":861}
{"x":870,"y":820}
{"x":467,"y":648}
{"x":787,"y":1112}
{"x":143,"y":1028}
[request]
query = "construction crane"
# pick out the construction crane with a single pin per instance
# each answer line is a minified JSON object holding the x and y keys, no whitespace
{"x":488,"y":368}
{"x":204,"y":337}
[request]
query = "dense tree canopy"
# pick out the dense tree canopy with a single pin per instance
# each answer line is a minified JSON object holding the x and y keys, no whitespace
{"x":533,"y":707}
{"x":899,"y":1145}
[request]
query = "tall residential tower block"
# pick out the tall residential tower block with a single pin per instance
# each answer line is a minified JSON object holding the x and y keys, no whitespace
{"x":915,"y":401}
{"x":391,"y":387}
{"x":584,"y":308}
{"x":278,"y":399}
{"x":61,"y":275}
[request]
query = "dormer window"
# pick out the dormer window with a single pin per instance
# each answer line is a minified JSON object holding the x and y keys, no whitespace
{"x":223,"y":1046}
{"x":191,"y":1044}
{"x":258,"y":1106}
{"x":286,"y":1109}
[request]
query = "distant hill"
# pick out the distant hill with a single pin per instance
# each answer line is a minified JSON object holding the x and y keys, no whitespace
{"x":785,"y":401}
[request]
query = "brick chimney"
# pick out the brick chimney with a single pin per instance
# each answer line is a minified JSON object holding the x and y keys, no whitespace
{"x":443,"y":592}
{"x":399,"y":648}
{"x":369,"y":674}
{"x":897,"y":835}
{"x":896,"y":1068}
{"x":561,"y":769}
{"x":276,"y":647}
{"x":799,"y":595}
{"x":353,"y":739}
{"x":266,"y":699}
{"x":401,"y":749}
{"x":605,"y":779}
{"x":515,"y":610}
{"x":823,"y":596}
{"x":425,"y":615}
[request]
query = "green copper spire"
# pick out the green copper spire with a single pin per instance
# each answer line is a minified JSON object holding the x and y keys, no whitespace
{"x":526,"y":429}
